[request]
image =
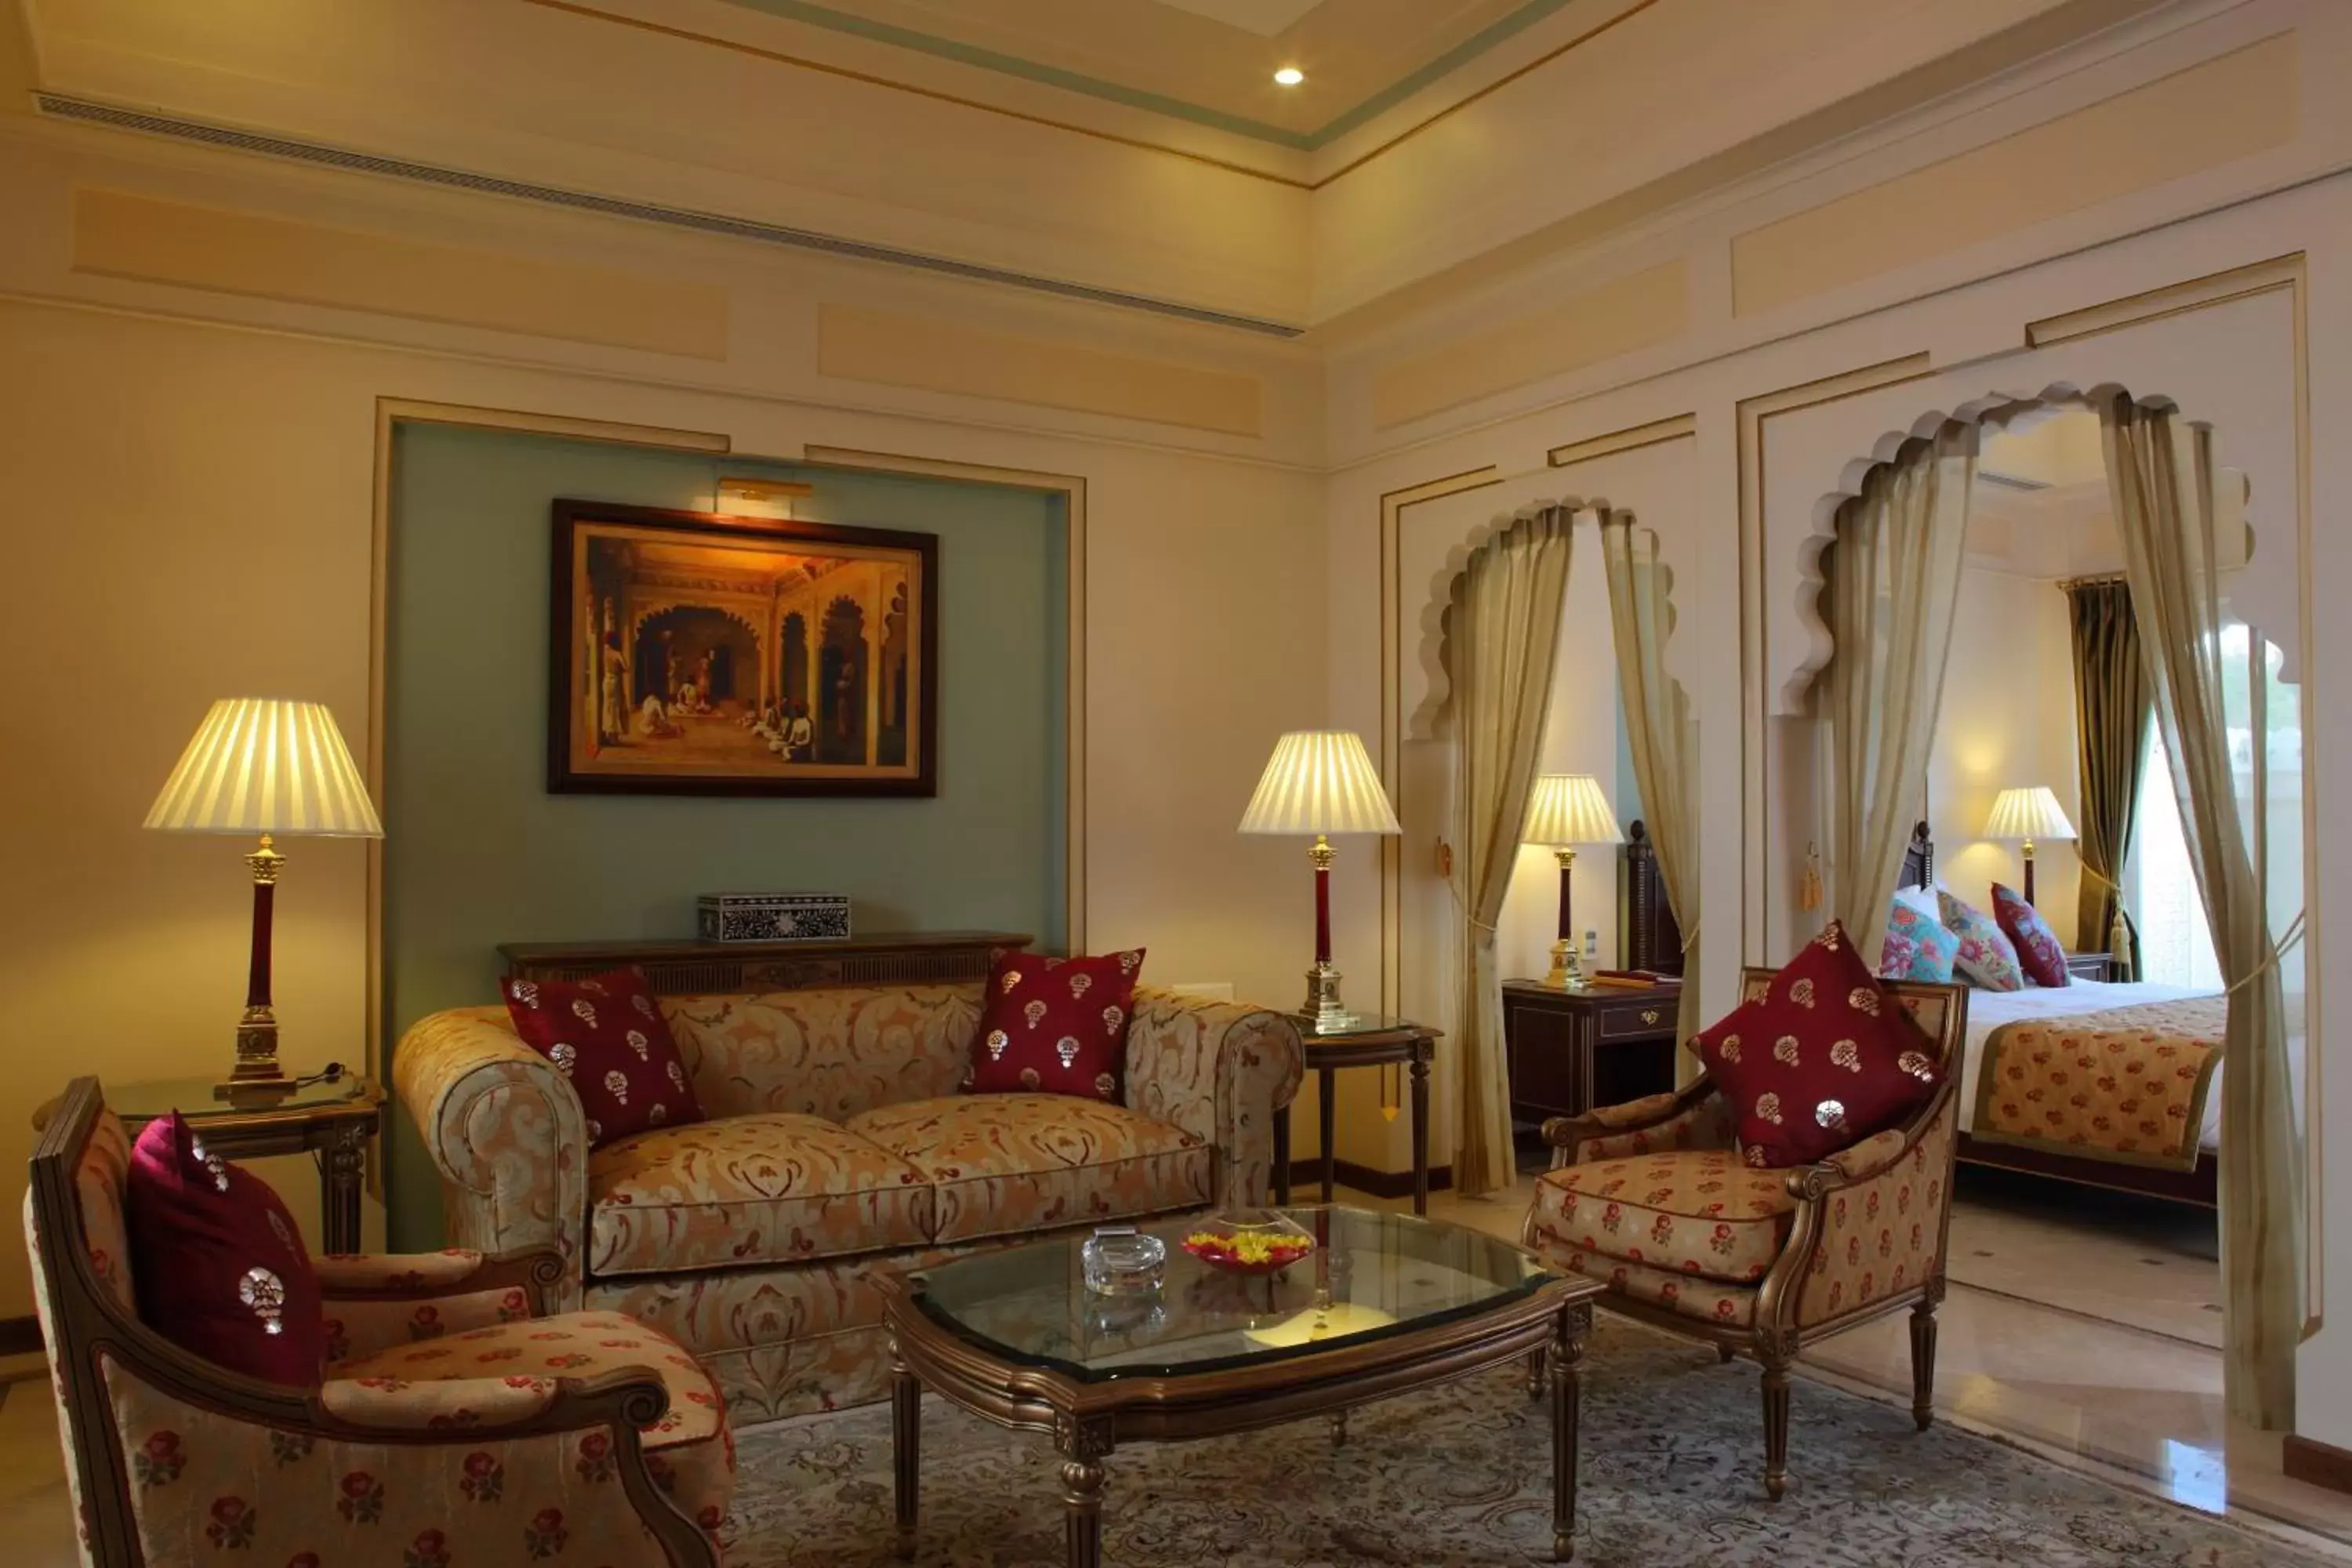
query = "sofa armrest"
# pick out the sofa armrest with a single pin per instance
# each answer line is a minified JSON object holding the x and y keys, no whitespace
{"x":1693,"y":1117}
{"x":508,"y":1134}
{"x":372,"y":1301}
{"x":1871,"y":1220}
{"x":1220,"y":1070}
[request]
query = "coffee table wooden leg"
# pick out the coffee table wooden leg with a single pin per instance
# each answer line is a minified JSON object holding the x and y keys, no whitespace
{"x":905,"y":1449}
{"x":1420,"y":1070}
{"x":1567,"y":1367}
{"x":1083,"y":1447}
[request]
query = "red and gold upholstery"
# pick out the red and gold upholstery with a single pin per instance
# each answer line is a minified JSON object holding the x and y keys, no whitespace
{"x":456,"y":1425}
{"x":835,"y":1144}
{"x":1657,"y":1201}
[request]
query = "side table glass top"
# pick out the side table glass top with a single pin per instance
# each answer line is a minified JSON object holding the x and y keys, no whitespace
{"x":1371,"y":1275}
{"x":1357,"y":1024}
{"x":192,"y":1098}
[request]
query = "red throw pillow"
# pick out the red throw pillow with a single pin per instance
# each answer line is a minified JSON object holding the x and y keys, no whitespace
{"x":220,"y":1268}
{"x":608,"y":1036}
{"x":2038,"y":952}
{"x":1054,"y":1025}
{"x":1822,"y":1060}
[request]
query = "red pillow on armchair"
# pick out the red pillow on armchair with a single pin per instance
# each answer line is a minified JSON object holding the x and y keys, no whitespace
{"x":1054,"y":1025}
{"x":608,"y":1036}
{"x":219,"y":1267}
{"x":1822,"y":1060}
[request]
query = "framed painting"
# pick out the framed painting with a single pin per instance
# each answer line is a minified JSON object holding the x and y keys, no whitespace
{"x":699,"y":654}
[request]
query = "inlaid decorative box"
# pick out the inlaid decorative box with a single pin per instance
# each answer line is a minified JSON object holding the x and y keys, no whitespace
{"x":773,"y":917}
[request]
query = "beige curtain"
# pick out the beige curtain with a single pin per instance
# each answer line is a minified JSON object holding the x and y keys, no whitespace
{"x":1659,"y":731}
{"x":2160,"y":471}
{"x":1502,"y":642}
{"x":1891,"y":583}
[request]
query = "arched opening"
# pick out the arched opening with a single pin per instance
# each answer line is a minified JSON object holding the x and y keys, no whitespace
{"x":842,"y":684}
{"x":690,"y":655}
{"x":793,"y":667}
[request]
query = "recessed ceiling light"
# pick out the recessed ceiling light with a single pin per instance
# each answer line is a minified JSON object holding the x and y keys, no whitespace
{"x":1290,"y":76}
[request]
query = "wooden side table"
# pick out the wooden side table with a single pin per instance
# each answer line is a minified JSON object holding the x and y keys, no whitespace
{"x":1572,"y":1051}
{"x":2098,"y":966}
{"x":1375,"y":1042}
{"x":330,"y":1120}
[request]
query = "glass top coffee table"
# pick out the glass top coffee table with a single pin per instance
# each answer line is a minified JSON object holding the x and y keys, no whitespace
{"x":1384,"y":1305}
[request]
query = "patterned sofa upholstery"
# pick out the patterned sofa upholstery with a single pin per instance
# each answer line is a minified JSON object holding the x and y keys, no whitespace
{"x":837,"y":1146}
{"x":452,"y":1423}
{"x":1652,"y":1199}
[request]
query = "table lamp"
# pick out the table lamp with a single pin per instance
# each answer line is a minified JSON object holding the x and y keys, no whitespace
{"x":1320,"y":782}
{"x":263,"y":767}
{"x":1564,"y":811}
{"x":2027,"y":814}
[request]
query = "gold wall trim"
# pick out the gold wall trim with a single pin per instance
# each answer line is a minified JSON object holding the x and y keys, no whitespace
{"x":2211,"y":113}
{"x":1394,"y":504}
{"x":1655,"y":433}
{"x":1752,"y":414}
{"x":2172,"y":300}
{"x":119,"y":234}
{"x":1605,"y":322}
{"x":1072,"y":489}
{"x":858,"y":342}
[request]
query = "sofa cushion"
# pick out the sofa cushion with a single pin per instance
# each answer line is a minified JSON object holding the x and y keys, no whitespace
{"x":2039,"y":951}
{"x":831,"y":1052}
{"x":609,"y":1039}
{"x":773,"y":1188}
{"x":1054,"y":1025}
{"x":1692,"y":1211}
{"x":689,"y":1450}
{"x":1005,"y":1164}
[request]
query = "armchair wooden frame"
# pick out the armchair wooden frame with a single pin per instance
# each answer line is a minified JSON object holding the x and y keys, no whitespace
{"x":1775,"y":1336}
{"x":87,"y":1328}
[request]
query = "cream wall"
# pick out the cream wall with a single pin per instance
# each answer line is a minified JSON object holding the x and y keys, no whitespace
{"x":2008,"y":718}
{"x":189,"y":504}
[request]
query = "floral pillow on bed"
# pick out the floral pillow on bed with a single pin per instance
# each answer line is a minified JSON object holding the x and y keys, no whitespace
{"x":2039,"y":952}
{"x":1917,"y":947}
{"x":1987,"y":957}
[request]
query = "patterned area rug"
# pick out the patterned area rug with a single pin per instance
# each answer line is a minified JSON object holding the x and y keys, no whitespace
{"x":1672,"y":1475}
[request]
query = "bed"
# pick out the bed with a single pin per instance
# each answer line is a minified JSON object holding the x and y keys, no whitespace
{"x":2107,"y":1085}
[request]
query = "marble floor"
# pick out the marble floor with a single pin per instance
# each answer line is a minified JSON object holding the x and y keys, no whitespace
{"x":2030,"y":1352}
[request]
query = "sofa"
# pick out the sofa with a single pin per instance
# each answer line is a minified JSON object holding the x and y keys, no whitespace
{"x":835,"y":1147}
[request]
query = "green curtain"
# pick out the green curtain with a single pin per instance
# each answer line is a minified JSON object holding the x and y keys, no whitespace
{"x":2112,"y":715}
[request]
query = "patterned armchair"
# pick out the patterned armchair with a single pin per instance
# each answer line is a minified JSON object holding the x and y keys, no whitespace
{"x":453,"y":1420}
{"x":837,"y":1146}
{"x":1652,"y":1199}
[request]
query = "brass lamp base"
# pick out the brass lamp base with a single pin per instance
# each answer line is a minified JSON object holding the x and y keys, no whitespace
{"x":1323,"y":1012}
{"x":1567,"y":972}
{"x":258,"y":1081}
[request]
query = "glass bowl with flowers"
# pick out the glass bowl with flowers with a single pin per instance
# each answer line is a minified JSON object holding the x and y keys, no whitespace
{"x":1249,"y":1241}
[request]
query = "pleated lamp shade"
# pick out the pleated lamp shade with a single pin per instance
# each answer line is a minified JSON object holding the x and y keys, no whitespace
{"x":1320,"y":781}
{"x":1567,"y":809}
{"x":260,"y":765}
{"x":2029,"y":812}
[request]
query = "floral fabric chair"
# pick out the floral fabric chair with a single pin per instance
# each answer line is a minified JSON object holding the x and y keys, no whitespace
{"x":454,"y":1426}
{"x":1652,"y":1199}
{"x":836,"y":1147}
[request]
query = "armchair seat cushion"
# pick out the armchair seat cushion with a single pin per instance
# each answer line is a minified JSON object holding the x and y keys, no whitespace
{"x":689,"y":1450}
{"x":1005,"y":1164}
{"x":1690,"y":1212}
{"x":776,"y":1187}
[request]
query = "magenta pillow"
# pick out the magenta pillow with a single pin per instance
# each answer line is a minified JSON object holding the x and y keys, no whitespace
{"x":2038,"y":952}
{"x":220,"y":1268}
{"x":608,"y":1036}
{"x":1054,"y":1025}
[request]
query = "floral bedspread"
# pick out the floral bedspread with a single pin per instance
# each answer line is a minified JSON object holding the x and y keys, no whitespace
{"x":2128,"y":1085}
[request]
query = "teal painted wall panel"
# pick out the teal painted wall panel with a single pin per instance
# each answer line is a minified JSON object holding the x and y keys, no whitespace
{"x":477,"y":852}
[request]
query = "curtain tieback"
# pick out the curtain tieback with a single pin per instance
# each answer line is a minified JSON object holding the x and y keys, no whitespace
{"x":1462,"y":907}
{"x":1690,"y":937}
{"x":2287,"y":942}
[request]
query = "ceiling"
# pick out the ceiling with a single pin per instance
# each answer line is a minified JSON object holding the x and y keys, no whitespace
{"x":1209,"y":61}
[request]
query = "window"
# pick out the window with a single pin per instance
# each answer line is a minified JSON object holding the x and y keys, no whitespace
{"x":2176,"y":946}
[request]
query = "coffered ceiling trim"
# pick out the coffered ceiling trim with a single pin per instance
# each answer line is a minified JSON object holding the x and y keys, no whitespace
{"x":1356,"y":115}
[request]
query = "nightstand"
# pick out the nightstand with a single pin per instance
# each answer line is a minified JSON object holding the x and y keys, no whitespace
{"x":1571,"y":1051}
{"x":2091,"y":966}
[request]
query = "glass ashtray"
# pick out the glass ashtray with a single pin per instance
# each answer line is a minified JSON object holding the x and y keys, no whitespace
{"x":1120,"y":1260}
